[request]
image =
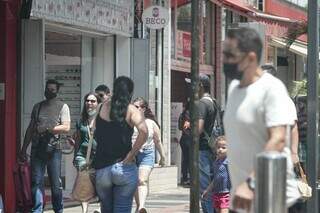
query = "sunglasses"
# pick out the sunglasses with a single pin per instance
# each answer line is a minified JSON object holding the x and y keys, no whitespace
{"x":91,"y":101}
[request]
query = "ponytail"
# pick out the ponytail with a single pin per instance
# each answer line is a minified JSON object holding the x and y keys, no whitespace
{"x":121,"y":98}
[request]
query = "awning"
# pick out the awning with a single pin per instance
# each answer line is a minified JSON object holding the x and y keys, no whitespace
{"x":297,"y":47}
{"x":238,"y":6}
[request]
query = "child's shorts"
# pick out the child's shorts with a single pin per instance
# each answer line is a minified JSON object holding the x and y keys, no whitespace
{"x":221,"y":200}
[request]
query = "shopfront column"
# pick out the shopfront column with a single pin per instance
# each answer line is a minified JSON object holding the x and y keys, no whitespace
{"x":8,"y":96}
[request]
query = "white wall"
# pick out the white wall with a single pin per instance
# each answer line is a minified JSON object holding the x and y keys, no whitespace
{"x":123,"y":60}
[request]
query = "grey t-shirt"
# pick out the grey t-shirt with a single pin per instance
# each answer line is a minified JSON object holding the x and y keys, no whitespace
{"x":52,"y":113}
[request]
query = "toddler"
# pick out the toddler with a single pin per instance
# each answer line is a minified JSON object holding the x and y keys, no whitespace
{"x":220,"y":184}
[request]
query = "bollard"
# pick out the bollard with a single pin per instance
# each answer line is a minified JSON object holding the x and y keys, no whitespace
{"x":270,"y":190}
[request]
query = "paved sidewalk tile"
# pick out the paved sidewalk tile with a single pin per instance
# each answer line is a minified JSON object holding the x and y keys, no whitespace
{"x":170,"y":201}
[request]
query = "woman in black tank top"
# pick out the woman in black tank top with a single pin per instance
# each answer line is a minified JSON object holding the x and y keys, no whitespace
{"x":116,"y":171}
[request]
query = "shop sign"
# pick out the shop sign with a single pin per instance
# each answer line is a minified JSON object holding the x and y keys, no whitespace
{"x":183,"y":42}
{"x":108,"y":16}
{"x":155,"y":17}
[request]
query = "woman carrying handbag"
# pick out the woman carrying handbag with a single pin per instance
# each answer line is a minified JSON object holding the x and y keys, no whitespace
{"x":85,"y":149}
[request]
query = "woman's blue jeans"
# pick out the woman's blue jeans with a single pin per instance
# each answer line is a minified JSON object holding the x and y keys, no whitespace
{"x":115,"y":186}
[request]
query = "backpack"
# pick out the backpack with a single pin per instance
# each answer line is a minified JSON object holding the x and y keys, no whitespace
{"x":217,"y":129}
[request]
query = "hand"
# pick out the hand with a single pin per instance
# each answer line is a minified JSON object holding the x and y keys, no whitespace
{"x":205,"y":194}
{"x":186,"y":125}
{"x":243,"y":197}
{"x":129,"y":158}
{"x":162,"y":161}
{"x":83,"y":167}
{"x":23,"y":155}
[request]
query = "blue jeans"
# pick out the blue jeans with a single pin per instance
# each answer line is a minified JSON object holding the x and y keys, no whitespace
{"x":38,"y":167}
{"x":115,"y":186}
{"x":205,"y":173}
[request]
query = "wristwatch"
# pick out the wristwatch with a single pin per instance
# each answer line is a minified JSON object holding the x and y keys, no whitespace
{"x":251,"y":183}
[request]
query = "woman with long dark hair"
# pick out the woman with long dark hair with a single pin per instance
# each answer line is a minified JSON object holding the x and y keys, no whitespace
{"x":81,"y":136}
{"x":116,"y":171}
{"x":146,"y":156}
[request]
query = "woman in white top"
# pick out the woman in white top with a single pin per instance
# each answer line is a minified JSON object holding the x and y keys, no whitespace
{"x":146,"y":156}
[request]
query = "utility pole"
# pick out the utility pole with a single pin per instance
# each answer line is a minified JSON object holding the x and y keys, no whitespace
{"x":313,"y":105}
{"x":195,"y":51}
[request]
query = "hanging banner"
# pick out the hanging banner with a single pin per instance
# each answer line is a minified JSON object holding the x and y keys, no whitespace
{"x":155,"y":17}
{"x":183,"y":42}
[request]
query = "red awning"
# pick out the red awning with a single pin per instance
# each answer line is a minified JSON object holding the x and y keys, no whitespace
{"x":238,"y":6}
{"x":179,"y":2}
{"x":275,"y":25}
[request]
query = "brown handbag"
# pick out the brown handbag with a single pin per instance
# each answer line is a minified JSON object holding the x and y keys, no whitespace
{"x":84,"y":187}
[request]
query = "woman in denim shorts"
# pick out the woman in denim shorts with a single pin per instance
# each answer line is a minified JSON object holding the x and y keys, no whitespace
{"x":116,"y":171}
{"x":146,"y":156}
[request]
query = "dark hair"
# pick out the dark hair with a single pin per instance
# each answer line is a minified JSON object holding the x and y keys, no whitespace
{"x":205,"y":82}
{"x":52,"y":81}
{"x":269,"y":68}
{"x":121,"y":98}
{"x":84,"y":113}
{"x":147,"y":112}
{"x":103,"y":88}
{"x":248,"y":40}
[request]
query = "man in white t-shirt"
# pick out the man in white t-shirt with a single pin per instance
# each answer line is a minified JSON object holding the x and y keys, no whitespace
{"x":256,"y":114}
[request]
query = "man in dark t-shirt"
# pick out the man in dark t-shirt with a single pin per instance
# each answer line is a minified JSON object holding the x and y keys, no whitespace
{"x":207,"y":113}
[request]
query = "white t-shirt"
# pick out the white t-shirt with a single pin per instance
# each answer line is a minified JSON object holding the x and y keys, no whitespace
{"x":149,"y":144}
{"x":250,"y":111}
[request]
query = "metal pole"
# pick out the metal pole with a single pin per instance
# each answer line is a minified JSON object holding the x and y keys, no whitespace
{"x":195,"y":21}
{"x":312,"y":104}
{"x":270,"y":183}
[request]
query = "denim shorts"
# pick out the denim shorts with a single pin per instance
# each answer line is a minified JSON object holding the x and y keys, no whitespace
{"x":146,"y":158}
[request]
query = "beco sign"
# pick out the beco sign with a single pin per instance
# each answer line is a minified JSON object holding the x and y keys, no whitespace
{"x":155,"y":17}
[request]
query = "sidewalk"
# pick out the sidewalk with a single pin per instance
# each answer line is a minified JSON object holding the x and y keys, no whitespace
{"x":170,"y":201}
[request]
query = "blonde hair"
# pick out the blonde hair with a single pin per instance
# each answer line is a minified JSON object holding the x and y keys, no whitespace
{"x":221,"y":138}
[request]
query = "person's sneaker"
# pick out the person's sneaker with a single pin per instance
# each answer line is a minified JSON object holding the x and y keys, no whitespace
{"x":143,"y":210}
{"x":96,"y":211}
{"x":186,"y":183}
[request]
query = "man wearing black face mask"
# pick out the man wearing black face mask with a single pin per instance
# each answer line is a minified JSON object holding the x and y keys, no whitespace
{"x":256,"y":116}
{"x":49,"y":119}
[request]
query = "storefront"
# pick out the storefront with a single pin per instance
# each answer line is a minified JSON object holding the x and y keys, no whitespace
{"x":81,"y":44}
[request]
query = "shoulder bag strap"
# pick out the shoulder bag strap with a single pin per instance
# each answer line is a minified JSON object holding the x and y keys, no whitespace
{"x":37,"y":117}
{"x":89,"y":145}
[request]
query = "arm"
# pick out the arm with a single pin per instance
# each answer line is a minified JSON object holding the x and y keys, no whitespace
{"x":60,"y":129}
{"x":207,"y":190}
{"x":64,"y":127}
{"x":294,"y":143}
{"x":276,"y":141}
{"x":200,"y":126}
{"x":136,"y":118}
{"x":27,"y":139}
{"x":158,"y":144}
{"x":202,"y":110}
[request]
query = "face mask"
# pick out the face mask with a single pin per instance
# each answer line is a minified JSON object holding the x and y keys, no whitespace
{"x":231,"y":71}
{"x":92,"y":112}
{"x":50,"y":95}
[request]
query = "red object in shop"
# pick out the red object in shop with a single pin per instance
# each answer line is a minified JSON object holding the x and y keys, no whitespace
{"x":8,"y":106}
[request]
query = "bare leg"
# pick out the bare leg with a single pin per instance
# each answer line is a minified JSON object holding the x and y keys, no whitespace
{"x":223,"y":211}
{"x":136,"y":199}
{"x":84,"y":206}
{"x":144,"y":173}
